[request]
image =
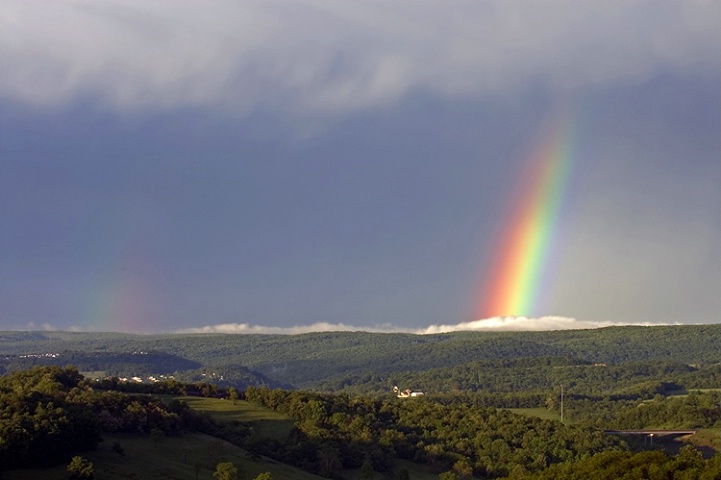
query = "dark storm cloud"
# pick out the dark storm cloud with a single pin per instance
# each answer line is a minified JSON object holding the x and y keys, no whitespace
{"x":337,"y":56}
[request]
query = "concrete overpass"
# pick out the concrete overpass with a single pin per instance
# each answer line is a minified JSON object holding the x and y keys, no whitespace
{"x":655,"y":433}
{"x":648,"y":435}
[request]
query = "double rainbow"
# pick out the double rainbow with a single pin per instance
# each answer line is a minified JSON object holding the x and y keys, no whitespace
{"x":515,"y":281}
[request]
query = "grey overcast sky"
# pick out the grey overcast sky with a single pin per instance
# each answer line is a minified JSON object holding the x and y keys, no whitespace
{"x":284,"y":166}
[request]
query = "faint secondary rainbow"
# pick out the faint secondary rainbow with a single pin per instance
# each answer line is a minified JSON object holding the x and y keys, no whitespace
{"x":514,"y":283}
{"x":125,"y":294}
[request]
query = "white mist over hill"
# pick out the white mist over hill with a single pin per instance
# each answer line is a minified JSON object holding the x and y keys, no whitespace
{"x":489,"y":324}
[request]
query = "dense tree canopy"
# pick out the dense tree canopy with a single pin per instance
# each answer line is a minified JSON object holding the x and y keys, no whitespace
{"x":339,"y":431}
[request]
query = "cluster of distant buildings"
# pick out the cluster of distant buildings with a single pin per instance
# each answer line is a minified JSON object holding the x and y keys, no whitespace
{"x":162,"y":378}
{"x":149,"y":379}
{"x":406,"y":393}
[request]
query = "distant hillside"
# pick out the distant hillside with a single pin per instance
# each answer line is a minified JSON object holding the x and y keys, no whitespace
{"x":310,"y":360}
{"x":113,"y":363}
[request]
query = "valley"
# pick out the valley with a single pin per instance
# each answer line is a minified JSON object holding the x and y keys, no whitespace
{"x":323,"y":404}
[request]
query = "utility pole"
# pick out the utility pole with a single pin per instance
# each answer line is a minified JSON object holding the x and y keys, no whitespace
{"x":561,"y":403}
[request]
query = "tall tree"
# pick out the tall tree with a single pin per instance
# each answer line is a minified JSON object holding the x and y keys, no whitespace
{"x":226,"y":471}
{"x":81,"y":468}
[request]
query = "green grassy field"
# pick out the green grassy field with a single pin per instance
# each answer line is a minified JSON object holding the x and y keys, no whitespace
{"x":266,"y":422}
{"x":707,"y":438}
{"x":539,"y":412}
{"x":684,"y":392}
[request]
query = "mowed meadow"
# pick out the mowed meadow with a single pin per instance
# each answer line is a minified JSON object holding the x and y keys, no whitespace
{"x":263,"y":421}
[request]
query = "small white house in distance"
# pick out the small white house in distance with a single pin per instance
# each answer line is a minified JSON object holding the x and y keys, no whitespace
{"x":406,"y":393}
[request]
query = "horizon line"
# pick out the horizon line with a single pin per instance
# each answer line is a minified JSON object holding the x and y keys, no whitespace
{"x":493,"y":324}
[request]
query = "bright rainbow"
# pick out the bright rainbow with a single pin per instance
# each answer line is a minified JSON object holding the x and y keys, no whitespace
{"x":515,"y":281}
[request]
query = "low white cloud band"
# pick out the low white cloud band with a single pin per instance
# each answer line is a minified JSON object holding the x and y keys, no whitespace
{"x":489,"y":324}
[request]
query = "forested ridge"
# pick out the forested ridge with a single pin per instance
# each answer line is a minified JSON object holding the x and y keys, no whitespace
{"x":542,"y":373}
{"x":309,"y":360}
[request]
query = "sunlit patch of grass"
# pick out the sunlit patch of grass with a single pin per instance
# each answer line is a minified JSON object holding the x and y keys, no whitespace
{"x":266,"y":422}
{"x":684,"y":392}
{"x":707,"y":437}
{"x":539,"y":412}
